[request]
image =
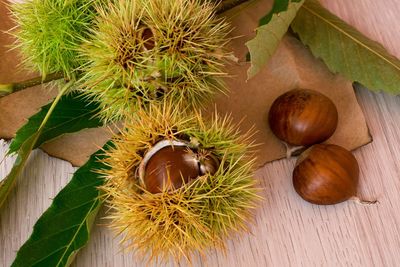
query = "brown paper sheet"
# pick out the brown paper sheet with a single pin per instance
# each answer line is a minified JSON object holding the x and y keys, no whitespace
{"x":292,"y":66}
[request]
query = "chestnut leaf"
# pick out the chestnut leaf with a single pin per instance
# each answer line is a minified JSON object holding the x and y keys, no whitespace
{"x":65,"y":227}
{"x":268,"y":36}
{"x":7,"y":184}
{"x":73,"y":113}
{"x":65,"y":114}
{"x":278,"y":6}
{"x":345,"y":50}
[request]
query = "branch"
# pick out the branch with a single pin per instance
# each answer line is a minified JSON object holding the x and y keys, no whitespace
{"x":6,"y":89}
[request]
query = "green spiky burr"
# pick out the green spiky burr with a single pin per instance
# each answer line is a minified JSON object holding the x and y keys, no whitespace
{"x":176,"y":221}
{"x":49,"y":33}
{"x":142,"y":51}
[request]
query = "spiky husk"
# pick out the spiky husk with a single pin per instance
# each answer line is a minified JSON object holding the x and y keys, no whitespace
{"x":143,"y":51}
{"x":49,"y":33}
{"x":199,"y":214}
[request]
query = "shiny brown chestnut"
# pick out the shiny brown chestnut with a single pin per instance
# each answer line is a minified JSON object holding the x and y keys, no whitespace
{"x":303,"y":117}
{"x":170,"y":167}
{"x":326,"y":174}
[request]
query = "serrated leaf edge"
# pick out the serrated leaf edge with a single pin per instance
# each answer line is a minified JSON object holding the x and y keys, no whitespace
{"x":291,"y":12}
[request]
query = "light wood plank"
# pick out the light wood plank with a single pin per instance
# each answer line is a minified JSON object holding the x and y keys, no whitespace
{"x":288,"y":231}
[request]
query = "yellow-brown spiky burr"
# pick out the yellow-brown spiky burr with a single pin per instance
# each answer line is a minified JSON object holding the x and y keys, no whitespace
{"x":177,"y":183}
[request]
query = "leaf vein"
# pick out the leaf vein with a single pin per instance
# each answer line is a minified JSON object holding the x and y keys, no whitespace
{"x":350,"y":36}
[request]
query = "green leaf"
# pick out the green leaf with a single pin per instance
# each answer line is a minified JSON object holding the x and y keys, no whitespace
{"x":65,"y":227}
{"x":346,"y":50}
{"x":268,"y":36}
{"x":25,"y":150}
{"x":73,"y":113}
{"x":278,"y":6}
{"x":67,"y":114}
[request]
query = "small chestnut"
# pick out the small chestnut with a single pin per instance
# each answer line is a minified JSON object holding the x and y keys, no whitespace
{"x":209,"y":164}
{"x":147,"y":37}
{"x":326,"y":174}
{"x":303,"y":117}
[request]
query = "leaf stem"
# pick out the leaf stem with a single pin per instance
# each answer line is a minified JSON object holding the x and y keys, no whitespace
{"x":6,"y":89}
{"x":226,"y":5}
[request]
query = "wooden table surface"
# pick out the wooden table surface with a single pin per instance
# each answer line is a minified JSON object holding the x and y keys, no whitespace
{"x":288,"y":231}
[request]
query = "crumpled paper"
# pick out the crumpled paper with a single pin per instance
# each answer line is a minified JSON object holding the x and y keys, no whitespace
{"x":248,"y":102}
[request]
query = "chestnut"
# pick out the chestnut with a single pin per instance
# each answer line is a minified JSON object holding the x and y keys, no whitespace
{"x":303,"y":117}
{"x":147,"y":36}
{"x":169,"y":168}
{"x":327,"y":174}
{"x":169,"y":165}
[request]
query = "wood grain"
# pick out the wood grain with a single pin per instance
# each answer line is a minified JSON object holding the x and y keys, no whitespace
{"x":287,"y":230}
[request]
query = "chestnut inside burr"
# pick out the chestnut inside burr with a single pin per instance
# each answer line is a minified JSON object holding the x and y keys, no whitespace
{"x":169,"y":165}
